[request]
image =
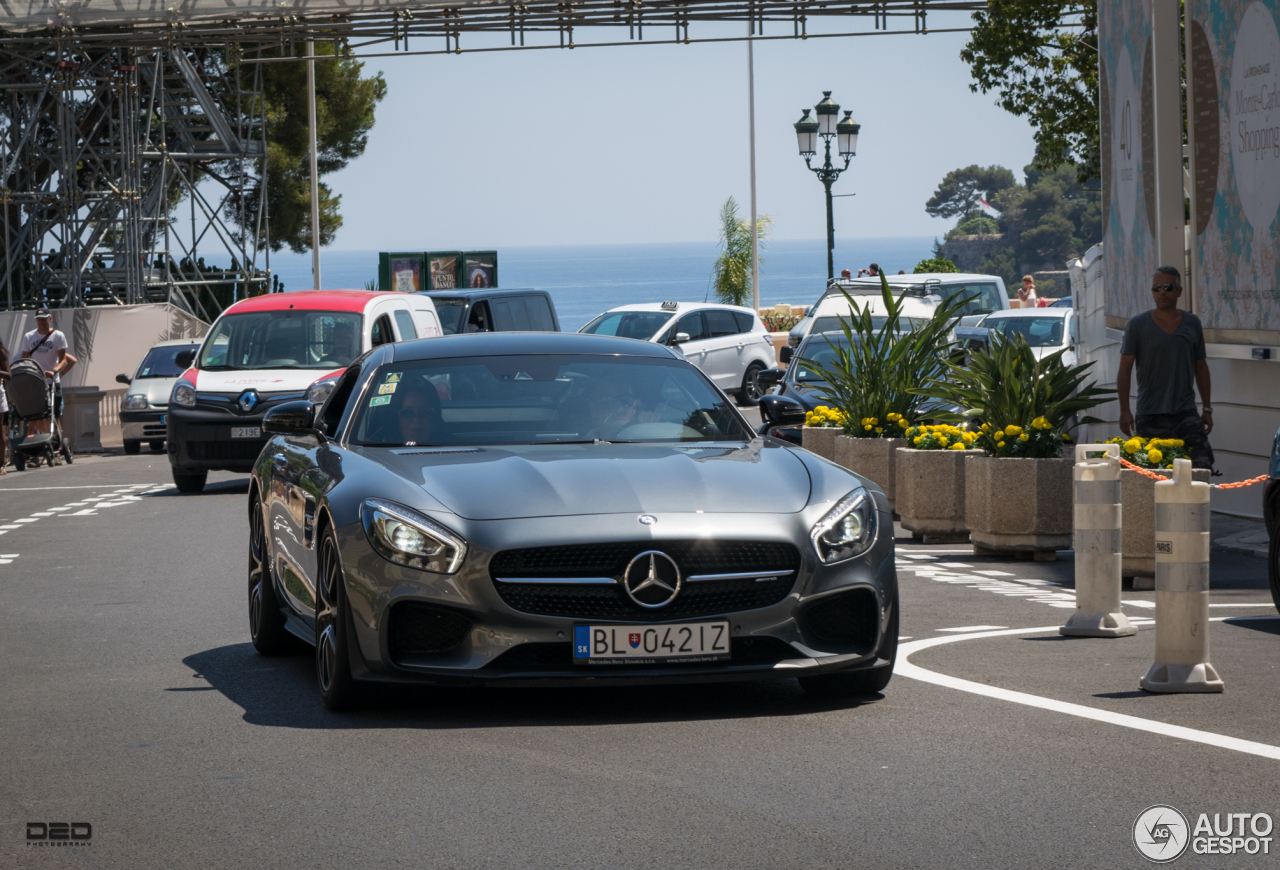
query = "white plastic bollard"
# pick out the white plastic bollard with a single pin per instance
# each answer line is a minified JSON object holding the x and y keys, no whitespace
{"x":1096,"y":538}
{"x":1182,"y":587}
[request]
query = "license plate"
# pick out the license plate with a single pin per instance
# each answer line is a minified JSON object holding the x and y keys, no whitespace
{"x":246,"y":431}
{"x":162,"y":418}
{"x":642,"y":644}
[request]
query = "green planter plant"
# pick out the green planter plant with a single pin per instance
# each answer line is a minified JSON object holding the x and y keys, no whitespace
{"x":1018,"y":494}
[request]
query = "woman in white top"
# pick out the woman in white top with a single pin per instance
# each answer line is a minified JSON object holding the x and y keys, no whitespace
{"x":1027,"y":292}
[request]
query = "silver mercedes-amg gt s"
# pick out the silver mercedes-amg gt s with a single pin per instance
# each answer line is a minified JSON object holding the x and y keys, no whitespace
{"x":550,"y":509}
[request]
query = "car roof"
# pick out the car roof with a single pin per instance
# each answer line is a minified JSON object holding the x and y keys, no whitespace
{"x":1030,"y":312}
{"x":839,"y":305}
{"x":511,"y":343}
{"x":469,"y":292}
{"x":684,"y":307}
{"x":920,"y":278}
{"x":308,"y":300}
{"x":176,"y":341}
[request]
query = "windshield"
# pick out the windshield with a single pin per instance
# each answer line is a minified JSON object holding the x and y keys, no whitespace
{"x":820,"y":351}
{"x":452,"y":313}
{"x":543,"y":399}
{"x":628,"y":324}
{"x":283,"y":340}
{"x":1038,"y":331}
{"x":159,"y":362}
{"x":832,"y":323}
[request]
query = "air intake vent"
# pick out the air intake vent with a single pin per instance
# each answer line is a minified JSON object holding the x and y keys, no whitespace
{"x":842,"y":623}
{"x":418,"y":628}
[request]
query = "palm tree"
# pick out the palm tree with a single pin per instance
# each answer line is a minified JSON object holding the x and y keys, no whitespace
{"x":731,"y":275}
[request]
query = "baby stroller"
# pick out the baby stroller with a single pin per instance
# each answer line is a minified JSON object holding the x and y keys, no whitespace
{"x":30,"y":401}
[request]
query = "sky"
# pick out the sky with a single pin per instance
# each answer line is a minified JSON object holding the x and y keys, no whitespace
{"x":643,"y":144}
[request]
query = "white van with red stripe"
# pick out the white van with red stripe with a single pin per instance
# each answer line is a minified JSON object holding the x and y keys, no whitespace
{"x":272,"y":349}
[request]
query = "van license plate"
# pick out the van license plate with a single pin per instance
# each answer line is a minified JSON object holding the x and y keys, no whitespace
{"x":246,"y":431}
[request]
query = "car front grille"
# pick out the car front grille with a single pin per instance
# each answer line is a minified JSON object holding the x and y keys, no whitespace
{"x":609,"y":560}
{"x":535,"y":657}
{"x":224,"y":450}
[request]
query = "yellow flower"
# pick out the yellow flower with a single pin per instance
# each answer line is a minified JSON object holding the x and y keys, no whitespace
{"x":1013,"y":430}
{"x":1040,"y":423}
{"x":879,"y":429}
{"x":968,"y":437}
{"x":1176,"y":442}
{"x":1133,"y":445}
{"x":942,"y":439}
{"x":1154,"y":456}
{"x":902,"y":422}
{"x":917,"y":439}
{"x":999,"y":445}
{"x":892,"y":416}
{"x":867,"y":428}
{"x":1024,"y":437}
{"x":959,"y":445}
{"x":986,"y":427}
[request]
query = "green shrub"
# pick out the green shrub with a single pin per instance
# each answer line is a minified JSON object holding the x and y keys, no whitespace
{"x":937,"y":264}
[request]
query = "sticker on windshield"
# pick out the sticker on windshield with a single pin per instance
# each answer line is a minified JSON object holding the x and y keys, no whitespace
{"x":392,"y":378}
{"x":387,"y":389}
{"x":379,"y":400}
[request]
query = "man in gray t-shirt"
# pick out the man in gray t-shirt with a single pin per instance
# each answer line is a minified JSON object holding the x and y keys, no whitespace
{"x":1168,"y":346}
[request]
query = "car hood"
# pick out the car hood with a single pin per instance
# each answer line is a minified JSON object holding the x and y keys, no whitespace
{"x":262,"y":380}
{"x":156,"y":390}
{"x":510,"y":482}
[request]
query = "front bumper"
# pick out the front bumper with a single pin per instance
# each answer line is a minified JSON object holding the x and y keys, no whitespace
{"x":505,"y":646}
{"x":200,"y":440}
{"x":143,"y":425}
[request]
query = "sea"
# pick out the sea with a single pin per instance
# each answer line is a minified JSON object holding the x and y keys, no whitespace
{"x":585,"y":280}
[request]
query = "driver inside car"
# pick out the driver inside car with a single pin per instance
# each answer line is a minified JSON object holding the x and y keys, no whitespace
{"x":417,"y":411}
{"x":612,"y":406}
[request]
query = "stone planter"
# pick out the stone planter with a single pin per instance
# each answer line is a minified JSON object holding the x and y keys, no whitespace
{"x":820,"y":440}
{"x":1138,"y":520}
{"x":1021,"y":506}
{"x":930,"y":493}
{"x":873,"y":458}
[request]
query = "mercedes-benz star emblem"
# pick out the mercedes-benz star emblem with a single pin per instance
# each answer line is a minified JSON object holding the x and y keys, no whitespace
{"x":652,"y":579}
{"x":247,"y":400}
{"x":648,"y":519}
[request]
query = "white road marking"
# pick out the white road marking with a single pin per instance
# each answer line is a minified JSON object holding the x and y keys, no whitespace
{"x":7,"y":528}
{"x":43,"y":514}
{"x":972,"y":628}
{"x":26,"y":520}
{"x":1258,"y":604}
{"x":84,"y":513}
{"x":954,"y":565}
{"x":904,"y":668}
{"x":994,"y":573}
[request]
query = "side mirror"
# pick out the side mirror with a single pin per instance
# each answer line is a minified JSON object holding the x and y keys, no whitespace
{"x":291,"y":418}
{"x":185,"y":358}
{"x":770,"y":377}
{"x":782,"y":411}
{"x":124,"y":379}
{"x":680,"y":338}
{"x":784,"y":354}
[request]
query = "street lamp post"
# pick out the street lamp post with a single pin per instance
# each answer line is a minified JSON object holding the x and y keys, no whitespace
{"x":845,"y":132}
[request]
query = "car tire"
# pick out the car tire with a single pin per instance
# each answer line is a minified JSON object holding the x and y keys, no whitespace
{"x":190,"y":481}
{"x":1273,"y":567}
{"x":266,"y":618}
{"x":157,"y":447}
{"x":751,"y":391}
{"x":867,"y":681}
{"x":133,"y":448}
{"x":338,"y":688}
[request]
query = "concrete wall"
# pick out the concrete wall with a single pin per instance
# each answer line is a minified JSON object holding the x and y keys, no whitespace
{"x":106,"y":341}
{"x":1246,"y":400}
{"x":967,"y":251}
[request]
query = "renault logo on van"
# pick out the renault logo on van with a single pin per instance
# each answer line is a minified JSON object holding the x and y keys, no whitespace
{"x":247,"y":400}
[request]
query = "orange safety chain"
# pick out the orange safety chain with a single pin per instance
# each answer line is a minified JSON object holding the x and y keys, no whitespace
{"x":1151,"y":474}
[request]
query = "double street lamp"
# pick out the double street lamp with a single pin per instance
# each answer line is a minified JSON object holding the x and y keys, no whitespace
{"x":845,"y":132}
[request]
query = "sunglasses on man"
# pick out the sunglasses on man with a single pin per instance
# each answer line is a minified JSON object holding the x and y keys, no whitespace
{"x":1168,"y":288}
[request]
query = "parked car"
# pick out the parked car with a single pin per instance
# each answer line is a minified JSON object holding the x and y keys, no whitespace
{"x":1047,"y":330}
{"x":1271,"y":514}
{"x":272,"y":349}
{"x":142,"y":410}
{"x":559,"y":509}
{"x":988,"y":291}
{"x":730,"y":344}
{"x":493,"y":310}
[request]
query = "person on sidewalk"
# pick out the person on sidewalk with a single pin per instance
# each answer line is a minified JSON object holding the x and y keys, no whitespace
{"x":1168,"y":346}
{"x":48,"y":347}
{"x":1027,"y":292}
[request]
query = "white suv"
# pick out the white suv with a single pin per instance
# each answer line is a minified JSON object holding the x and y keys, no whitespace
{"x":730,"y":344}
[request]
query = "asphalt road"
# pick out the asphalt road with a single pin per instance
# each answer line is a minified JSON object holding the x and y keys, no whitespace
{"x":131,"y":699}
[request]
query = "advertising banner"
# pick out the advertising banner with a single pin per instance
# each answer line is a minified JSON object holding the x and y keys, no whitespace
{"x":443,"y":270}
{"x":1233,"y":64}
{"x":1128,"y":164}
{"x":480,"y":269}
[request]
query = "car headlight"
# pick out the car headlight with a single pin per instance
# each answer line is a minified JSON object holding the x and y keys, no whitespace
{"x":134,"y":403}
{"x":405,"y":536}
{"x":847,"y":530}
{"x":320,"y":390}
{"x":183,"y":394}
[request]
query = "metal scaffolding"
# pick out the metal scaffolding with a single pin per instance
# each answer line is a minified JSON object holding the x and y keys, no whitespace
{"x":98,"y":144}
{"x":110,"y":117}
